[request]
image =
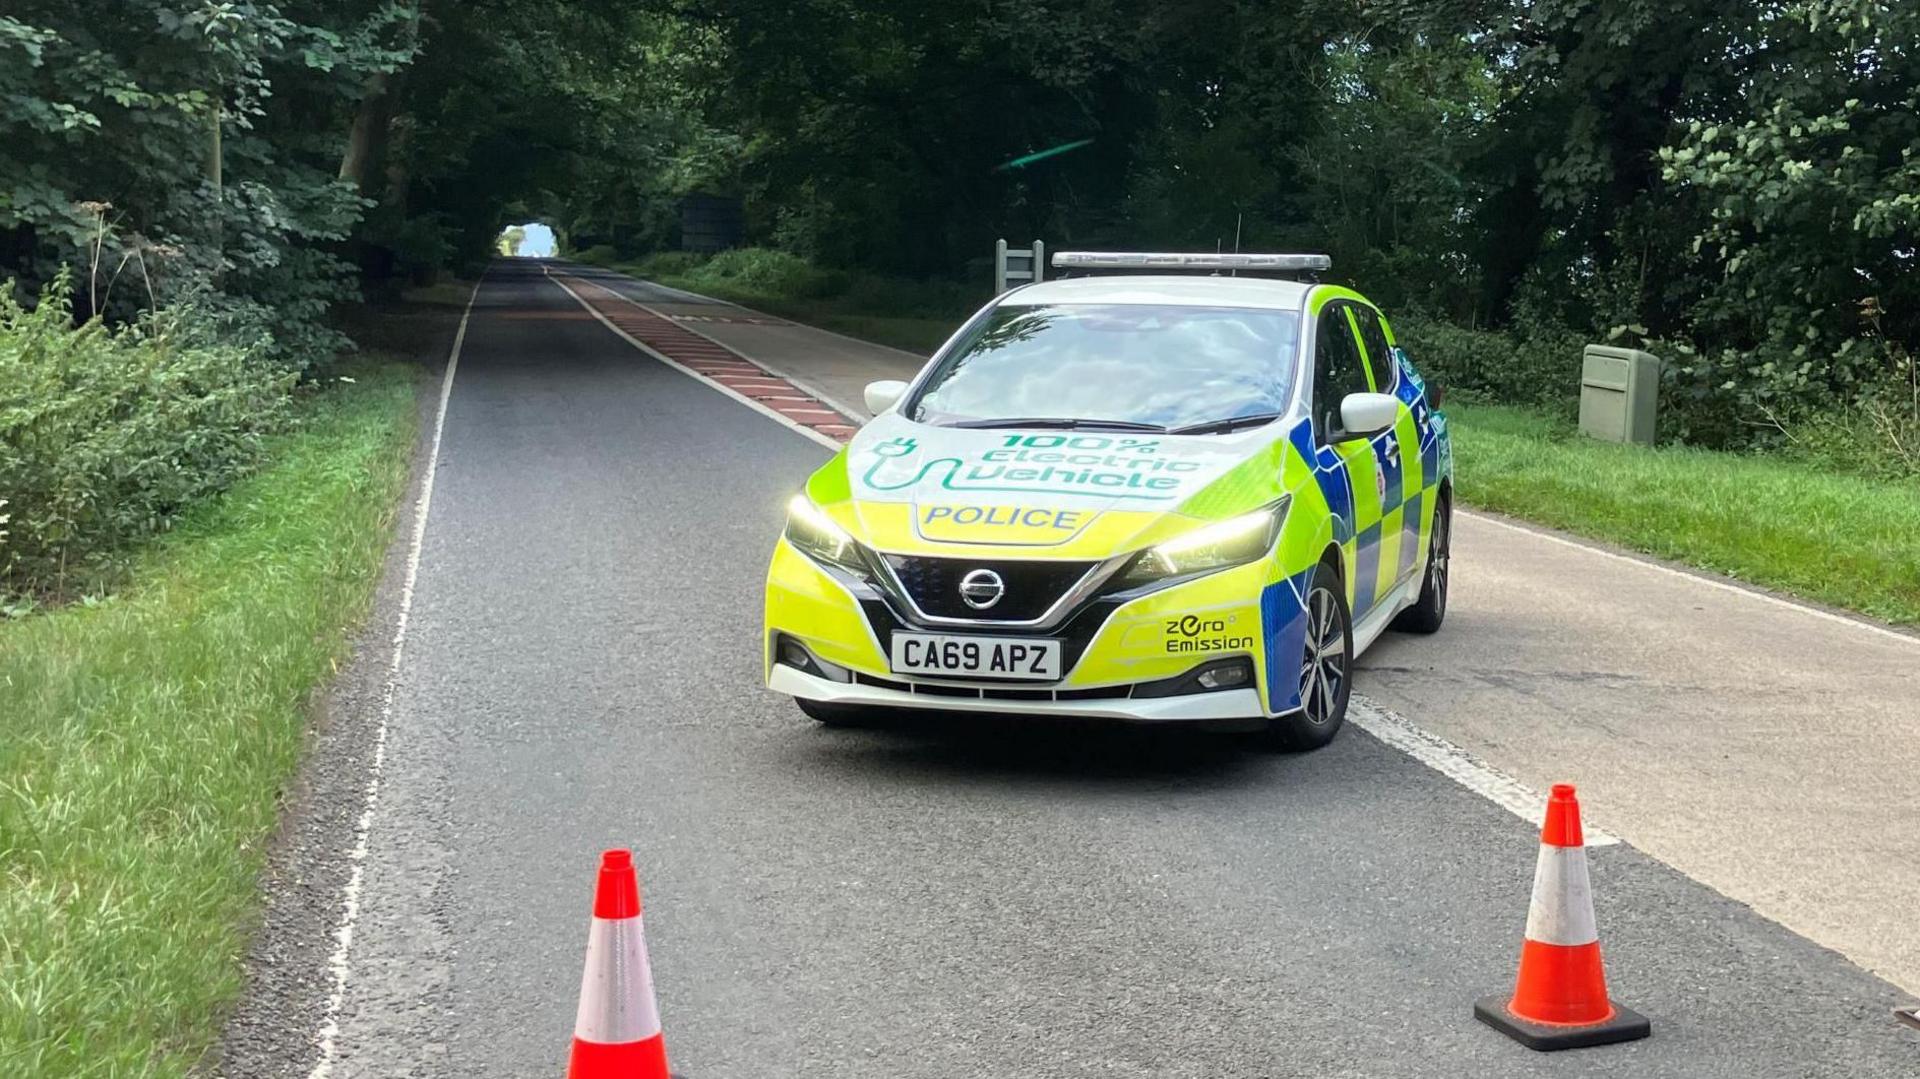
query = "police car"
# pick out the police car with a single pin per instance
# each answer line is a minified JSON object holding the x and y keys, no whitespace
{"x":1164,"y":488}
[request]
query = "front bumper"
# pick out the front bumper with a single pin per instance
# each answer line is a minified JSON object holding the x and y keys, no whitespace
{"x":1232,"y":708}
{"x":1112,"y":645}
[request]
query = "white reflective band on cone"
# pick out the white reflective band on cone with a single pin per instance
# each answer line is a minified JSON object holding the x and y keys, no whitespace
{"x":1562,"y":907}
{"x":616,"y":992}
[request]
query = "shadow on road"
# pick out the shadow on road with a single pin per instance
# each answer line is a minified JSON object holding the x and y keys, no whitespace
{"x":1026,"y":747}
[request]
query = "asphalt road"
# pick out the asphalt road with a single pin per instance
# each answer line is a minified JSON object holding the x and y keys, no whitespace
{"x":1752,"y":743}
{"x":938,"y":899}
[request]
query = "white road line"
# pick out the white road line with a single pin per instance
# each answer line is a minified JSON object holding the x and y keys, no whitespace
{"x":1458,"y":765}
{"x":834,"y":403}
{"x":916,"y":357}
{"x":786,"y":421}
{"x":1697,"y":578}
{"x":339,"y":965}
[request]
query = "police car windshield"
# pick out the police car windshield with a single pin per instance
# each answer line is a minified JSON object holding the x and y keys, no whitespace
{"x":1122,"y":365}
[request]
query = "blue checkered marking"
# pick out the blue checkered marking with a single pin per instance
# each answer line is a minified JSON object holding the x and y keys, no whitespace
{"x":1283,"y":622}
{"x":1366,"y":575}
{"x":1409,"y":534}
{"x":1390,"y":468}
{"x":1330,"y":475}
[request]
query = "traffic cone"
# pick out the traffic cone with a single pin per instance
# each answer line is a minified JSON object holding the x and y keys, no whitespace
{"x":616,"y":1033}
{"x":1560,"y":1001}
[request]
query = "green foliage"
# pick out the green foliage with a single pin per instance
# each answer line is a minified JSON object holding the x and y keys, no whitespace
{"x":187,"y":144}
{"x":1540,"y":368}
{"x":669,"y":263}
{"x":107,"y":434}
{"x":146,"y":741}
{"x":776,"y":272}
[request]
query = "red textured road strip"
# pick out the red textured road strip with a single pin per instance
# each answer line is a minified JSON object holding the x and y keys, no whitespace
{"x":712,"y":360}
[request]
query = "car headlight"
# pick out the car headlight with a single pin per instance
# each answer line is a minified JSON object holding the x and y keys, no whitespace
{"x":816,"y":534}
{"x":1232,"y":542}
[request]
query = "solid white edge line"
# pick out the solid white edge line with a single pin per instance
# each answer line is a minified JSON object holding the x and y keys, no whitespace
{"x":812,"y":391}
{"x":1459,"y":765}
{"x":338,"y":964}
{"x":1701,"y":577}
{"x":771,"y":414}
{"x":855,"y":415}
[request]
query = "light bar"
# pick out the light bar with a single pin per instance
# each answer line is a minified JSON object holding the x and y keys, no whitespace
{"x":1173,"y":260}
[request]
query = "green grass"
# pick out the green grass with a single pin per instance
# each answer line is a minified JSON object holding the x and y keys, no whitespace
{"x":1772,"y":520}
{"x":145,"y":740}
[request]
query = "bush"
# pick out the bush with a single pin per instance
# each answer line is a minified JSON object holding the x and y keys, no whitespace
{"x":106,"y":434}
{"x":1542,"y":371}
{"x":669,"y":263}
{"x":598,"y":255}
{"x":776,"y":272}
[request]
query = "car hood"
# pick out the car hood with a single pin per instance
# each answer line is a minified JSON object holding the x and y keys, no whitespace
{"x":914,"y":486}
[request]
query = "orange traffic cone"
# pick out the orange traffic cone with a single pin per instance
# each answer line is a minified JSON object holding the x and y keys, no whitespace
{"x":1560,"y":1001}
{"x":616,"y":1033}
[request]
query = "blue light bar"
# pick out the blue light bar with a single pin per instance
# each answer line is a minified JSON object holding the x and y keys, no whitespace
{"x":1173,"y":260}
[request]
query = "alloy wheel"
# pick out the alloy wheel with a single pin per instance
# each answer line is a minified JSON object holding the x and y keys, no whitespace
{"x":1323,"y":667}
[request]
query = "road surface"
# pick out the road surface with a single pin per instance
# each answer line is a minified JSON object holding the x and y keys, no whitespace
{"x":581,"y":670}
{"x":1758,"y":746}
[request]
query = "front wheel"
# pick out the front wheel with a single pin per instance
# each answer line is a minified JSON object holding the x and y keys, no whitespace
{"x":1326,"y":669}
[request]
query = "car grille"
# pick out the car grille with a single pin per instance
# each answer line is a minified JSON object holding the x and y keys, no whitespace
{"x":1033,"y":585}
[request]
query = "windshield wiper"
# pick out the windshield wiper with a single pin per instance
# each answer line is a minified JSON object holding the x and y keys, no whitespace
{"x":1221,"y":427}
{"x":1064,"y":424}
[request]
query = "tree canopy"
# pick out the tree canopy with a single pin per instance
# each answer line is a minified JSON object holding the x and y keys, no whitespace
{"x":1734,"y":180}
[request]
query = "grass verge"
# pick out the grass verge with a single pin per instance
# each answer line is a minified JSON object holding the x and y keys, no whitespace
{"x":1771,"y":520}
{"x":145,"y":740}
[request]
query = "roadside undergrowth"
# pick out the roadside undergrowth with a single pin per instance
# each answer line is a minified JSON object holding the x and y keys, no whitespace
{"x":146,"y":739}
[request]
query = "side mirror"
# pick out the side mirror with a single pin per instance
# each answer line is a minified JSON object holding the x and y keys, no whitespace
{"x":884,"y":394}
{"x":1363,"y":415}
{"x":1435,"y":392}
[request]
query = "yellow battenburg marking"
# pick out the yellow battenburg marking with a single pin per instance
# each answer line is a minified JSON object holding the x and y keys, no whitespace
{"x":1411,"y":477}
{"x":1389,"y":574}
{"x":828,"y":484}
{"x":803,"y":600}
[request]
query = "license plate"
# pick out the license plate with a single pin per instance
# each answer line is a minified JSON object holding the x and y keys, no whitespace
{"x":1035,"y":659}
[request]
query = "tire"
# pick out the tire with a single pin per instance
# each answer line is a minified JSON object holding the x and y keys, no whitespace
{"x":1326,"y":669}
{"x":837,"y":715}
{"x":1426,"y":615}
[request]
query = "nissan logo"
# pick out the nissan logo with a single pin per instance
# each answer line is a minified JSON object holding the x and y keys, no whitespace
{"x":982,"y":589}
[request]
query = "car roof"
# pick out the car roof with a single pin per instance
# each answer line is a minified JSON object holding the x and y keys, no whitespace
{"x":1185,"y":290}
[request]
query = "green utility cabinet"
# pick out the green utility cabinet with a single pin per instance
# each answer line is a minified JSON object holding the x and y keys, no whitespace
{"x":1619,"y":394}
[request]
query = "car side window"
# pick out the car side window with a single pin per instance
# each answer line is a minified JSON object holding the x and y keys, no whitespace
{"x":1386,"y":373}
{"x":1337,"y":368}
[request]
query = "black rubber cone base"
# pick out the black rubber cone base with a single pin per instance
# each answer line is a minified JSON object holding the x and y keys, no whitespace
{"x":1625,"y":1026}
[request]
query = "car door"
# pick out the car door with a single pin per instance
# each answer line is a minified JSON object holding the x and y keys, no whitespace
{"x":1397,"y":456}
{"x":1340,"y":368}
